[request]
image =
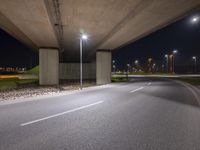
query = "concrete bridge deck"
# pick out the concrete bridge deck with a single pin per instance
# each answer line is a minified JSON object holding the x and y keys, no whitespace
{"x":110,"y":24}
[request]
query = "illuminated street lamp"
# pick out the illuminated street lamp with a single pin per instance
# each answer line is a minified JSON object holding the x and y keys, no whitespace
{"x":195,"y":63}
{"x":154,"y":65}
{"x":149,"y":64}
{"x":136,"y":62}
{"x":175,"y":51}
{"x":113,"y":66}
{"x":167,"y":62}
{"x":174,"y":54}
{"x":128,"y":66}
{"x":171,"y":63}
{"x":195,"y":19}
{"x":83,"y":37}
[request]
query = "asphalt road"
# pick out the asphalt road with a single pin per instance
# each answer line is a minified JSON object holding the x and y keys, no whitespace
{"x":148,"y":114}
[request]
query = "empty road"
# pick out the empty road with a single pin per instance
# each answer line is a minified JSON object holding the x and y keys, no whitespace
{"x":147,"y":114}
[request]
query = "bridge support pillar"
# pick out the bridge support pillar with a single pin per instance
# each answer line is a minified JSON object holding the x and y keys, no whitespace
{"x":103,"y":66}
{"x":48,"y":66}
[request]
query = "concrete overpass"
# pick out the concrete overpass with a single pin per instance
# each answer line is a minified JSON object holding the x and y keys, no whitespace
{"x":53,"y":27}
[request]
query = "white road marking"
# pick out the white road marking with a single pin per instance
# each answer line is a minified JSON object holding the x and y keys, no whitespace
{"x":136,"y":90}
{"x":149,"y":83}
{"x":59,"y":114}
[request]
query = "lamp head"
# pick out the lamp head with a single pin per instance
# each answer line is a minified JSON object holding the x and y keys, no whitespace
{"x":194,"y":57}
{"x":175,"y":51}
{"x":84,"y":37}
{"x":195,"y":19}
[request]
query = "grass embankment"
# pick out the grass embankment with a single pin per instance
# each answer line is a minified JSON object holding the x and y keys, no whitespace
{"x":15,"y":83}
{"x":34,"y":70}
{"x":145,"y":73}
{"x":8,"y":82}
{"x":119,"y":79}
{"x":191,"y":80}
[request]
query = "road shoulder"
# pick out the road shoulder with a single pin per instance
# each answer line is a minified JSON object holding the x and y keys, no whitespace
{"x":51,"y":95}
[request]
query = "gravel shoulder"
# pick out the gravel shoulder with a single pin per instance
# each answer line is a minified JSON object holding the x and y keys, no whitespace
{"x":29,"y":92}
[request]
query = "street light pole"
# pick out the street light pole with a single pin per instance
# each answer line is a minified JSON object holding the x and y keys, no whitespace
{"x":128,"y":65}
{"x":81,"y":64}
{"x":171,"y":63}
{"x":83,"y":37}
{"x":136,"y":65}
{"x":195,"y":63}
{"x":167,"y":63}
{"x":174,"y":54}
{"x":113,"y":66}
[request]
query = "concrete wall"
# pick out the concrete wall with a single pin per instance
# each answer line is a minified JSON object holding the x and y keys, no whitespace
{"x":103,"y":67}
{"x":49,"y":66}
{"x":71,"y":71}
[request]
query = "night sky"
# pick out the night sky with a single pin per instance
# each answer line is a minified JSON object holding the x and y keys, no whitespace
{"x":14,"y":53}
{"x":182,"y":35}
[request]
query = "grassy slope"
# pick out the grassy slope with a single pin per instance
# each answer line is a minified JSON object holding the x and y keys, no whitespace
{"x":14,"y":83}
{"x":8,"y":84}
{"x":34,"y":70}
{"x":119,"y":79}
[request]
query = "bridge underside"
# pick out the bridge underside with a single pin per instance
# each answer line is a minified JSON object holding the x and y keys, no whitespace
{"x":57,"y":24}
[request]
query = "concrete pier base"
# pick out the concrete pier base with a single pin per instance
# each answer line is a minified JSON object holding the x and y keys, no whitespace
{"x":103,"y":66}
{"x":48,"y":66}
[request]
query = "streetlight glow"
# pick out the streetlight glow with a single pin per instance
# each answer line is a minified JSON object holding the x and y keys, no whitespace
{"x":195,"y":19}
{"x":195,"y":63}
{"x":175,"y":51}
{"x":167,"y":62}
{"x":84,"y":37}
{"x":173,"y":56}
{"x":194,"y":57}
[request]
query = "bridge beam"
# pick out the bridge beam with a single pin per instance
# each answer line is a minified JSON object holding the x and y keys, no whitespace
{"x":103,"y":66}
{"x":48,"y":66}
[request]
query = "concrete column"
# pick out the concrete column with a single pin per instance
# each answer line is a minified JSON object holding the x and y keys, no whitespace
{"x":48,"y":66}
{"x":103,"y":67}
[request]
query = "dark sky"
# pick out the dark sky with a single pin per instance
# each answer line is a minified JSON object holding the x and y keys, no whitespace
{"x":14,"y":53}
{"x":182,"y":35}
